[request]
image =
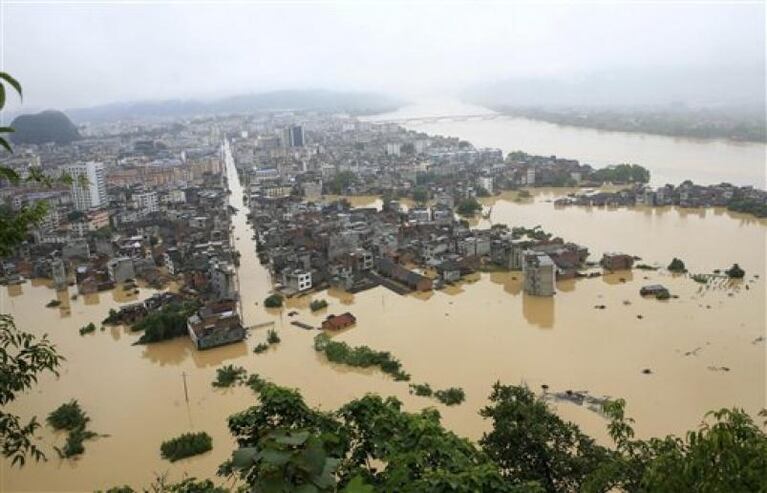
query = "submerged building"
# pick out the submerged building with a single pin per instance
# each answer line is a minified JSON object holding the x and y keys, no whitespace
{"x":539,"y":271}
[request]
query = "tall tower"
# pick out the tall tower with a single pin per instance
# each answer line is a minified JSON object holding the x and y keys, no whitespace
{"x":89,"y":188}
{"x":293,"y":136}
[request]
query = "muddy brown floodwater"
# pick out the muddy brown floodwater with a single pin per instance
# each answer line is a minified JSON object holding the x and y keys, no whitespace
{"x":472,"y":335}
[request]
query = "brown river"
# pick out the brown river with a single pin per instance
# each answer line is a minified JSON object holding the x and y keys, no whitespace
{"x":470,"y":336}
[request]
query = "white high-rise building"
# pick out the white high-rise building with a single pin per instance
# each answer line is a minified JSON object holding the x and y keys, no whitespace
{"x":92,"y":194}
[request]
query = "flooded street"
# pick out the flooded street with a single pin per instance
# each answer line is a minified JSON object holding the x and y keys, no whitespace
{"x":469,"y":336}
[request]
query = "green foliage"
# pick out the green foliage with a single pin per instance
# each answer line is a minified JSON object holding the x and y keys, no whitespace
{"x":186,"y":445}
{"x":273,"y":301}
{"x":272,"y":337}
{"x":420,"y":195}
{"x":450,"y":396}
{"x":255,"y":382}
{"x":622,"y":173}
{"x":166,"y":323}
{"x":748,"y":205}
{"x":46,"y":126}
{"x":360,"y":356}
{"x":260,"y":347}
{"x":74,"y":443}
{"x":727,"y":453}
{"x":87,"y":329}
{"x":162,"y":485}
{"x":677,"y":266}
{"x":53,"y":303}
{"x":645,"y":267}
{"x":229,"y":375}
{"x":317,"y":305}
{"x":735,"y":272}
{"x":286,"y":446}
{"x":531,"y":443}
{"x":6,"y":78}
{"x":468,"y":207}
{"x":68,"y":417}
{"x":340,"y":182}
{"x":23,"y":358}
{"x":421,"y":389}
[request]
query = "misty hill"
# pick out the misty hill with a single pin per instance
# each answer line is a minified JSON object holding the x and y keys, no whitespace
{"x":299,"y":100}
{"x":43,"y":127}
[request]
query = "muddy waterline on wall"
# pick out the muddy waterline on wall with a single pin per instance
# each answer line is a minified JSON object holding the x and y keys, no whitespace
{"x":470,"y":336}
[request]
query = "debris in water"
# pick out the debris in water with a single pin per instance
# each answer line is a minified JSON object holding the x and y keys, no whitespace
{"x":647,"y":371}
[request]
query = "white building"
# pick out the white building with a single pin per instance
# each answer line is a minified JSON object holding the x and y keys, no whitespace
{"x":146,"y":202}
{"x":486,"y":182}
{"x":530,"y":178}
{"x":89,"y":189}
{"x":539,"y":272}
{"x":393,"y":148}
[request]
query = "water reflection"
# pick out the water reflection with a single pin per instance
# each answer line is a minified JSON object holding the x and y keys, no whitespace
{"x":538,"y":310}
{"x":176,"y":351}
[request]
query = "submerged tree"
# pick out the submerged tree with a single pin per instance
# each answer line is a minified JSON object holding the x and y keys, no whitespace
{"x":23,"y":359}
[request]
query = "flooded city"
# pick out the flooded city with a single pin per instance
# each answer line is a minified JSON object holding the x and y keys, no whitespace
{"x":671,"y":360}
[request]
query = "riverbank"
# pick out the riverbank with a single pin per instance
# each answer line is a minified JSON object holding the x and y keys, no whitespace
{"x":669,"y":159}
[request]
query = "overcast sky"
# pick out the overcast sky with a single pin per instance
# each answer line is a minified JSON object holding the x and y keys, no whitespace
{"x":82,"y":54}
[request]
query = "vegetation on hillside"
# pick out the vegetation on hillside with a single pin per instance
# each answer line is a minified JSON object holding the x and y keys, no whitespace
{"x":44,"y":127}
{"x":286,"y":445}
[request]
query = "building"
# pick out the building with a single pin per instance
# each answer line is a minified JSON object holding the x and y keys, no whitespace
{"x":486,"y":182}
{"x":293,"y":136}
{"x":413,"y":280}
{"x":215,"y":325}
{"x":121,"y":269}
{"x":89,"y":189}
{"x":146,"y":202}
{"x":530,"y":176}
{"x":338,"y":322}
{"x":539,"y":271}
{"x":393,"y":148}
{"x":97,"y":219}
{"x":298,"y":280}
{"x":617,"y":261}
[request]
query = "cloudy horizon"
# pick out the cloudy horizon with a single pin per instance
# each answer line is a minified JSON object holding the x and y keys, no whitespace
{"x":70,"y":55}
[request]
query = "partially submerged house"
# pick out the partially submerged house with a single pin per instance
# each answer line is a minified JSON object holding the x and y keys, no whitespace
{"x":215,"y":324}
{"x":338,"y":322}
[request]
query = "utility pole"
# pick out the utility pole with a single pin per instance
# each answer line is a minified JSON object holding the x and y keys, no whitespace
{"x":186,"y":391}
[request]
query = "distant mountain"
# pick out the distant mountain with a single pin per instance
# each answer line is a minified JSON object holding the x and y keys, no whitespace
{"x":44,"y":127}
{"x":299,"y":100}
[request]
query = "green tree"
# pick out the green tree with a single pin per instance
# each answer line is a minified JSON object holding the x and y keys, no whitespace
{"x":468,"y":207}
{"x":23,"y":359}
{"x":677,"y":265}
{"x":735,"y":272}
{"x":420,"y":195}
{"x":531,"y":443}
